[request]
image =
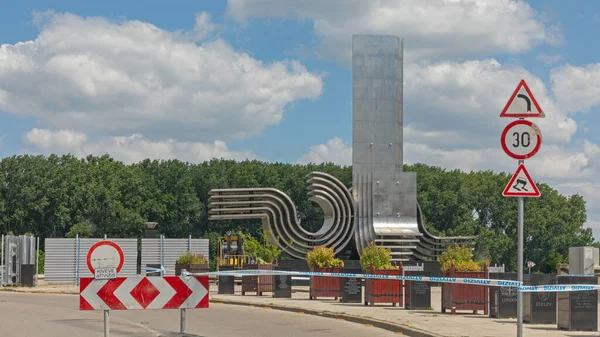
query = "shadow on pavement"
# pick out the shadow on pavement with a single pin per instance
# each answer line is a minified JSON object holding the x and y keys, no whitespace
{"x":96,"y":326}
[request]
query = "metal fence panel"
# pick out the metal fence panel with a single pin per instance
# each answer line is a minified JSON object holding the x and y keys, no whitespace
{"x":150,"y":252}
{"x":171,"y":250}
{"x":61,"y":265}
{"x":60,"y":260}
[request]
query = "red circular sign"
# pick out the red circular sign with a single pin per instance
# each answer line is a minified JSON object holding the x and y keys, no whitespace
{"x":521,"y":139}
{"x":105,"y":243}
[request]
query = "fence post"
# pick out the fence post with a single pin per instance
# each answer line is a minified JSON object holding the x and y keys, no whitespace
{"x":162,"y":255}
{"x":190,"y":243}
{"x":37,"y":260}
{"x":77,"y":263}
{"x":2,"y":263}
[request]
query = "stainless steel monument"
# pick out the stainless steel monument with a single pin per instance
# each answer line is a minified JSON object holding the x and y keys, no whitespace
{"x":382,"y":206}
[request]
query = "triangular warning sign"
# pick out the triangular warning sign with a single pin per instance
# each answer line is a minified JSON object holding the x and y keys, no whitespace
{"x":522,"y":104}
{"x":521,"y":185}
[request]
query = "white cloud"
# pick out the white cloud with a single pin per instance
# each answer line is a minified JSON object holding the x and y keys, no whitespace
{"x":457,"y":104}
{"x":433,"y":29}
{"x":94,"y":75}
{"x":577,"y":88}
{"x":335,"y":151}
{"x":129,"y":149}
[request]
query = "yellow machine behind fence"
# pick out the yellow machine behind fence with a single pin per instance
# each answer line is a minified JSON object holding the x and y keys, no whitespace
{"x":231,"y":251}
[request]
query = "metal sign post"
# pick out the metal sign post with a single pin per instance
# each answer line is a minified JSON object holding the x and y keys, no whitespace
{"x":2,"y":263}
{"x":521,"y":207}
{"x":521,"y":140}
{"x":104,"y":260}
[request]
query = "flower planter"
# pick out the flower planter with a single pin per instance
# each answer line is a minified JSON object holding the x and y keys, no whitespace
{"x":258,"y":284}
{"x":465,"y":296}
{"x":384,"y":291}
{"x":322,"y":286}
{"x":191,"y":268}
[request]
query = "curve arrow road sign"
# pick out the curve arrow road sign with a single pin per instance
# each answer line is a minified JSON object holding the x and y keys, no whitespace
{"x":141,"y":292}
{"x":521,"y":139}
{"x":522,"y":104}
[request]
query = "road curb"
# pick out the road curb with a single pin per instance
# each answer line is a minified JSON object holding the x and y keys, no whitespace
{"x":394,"y":327}
{"x":33,"y":291}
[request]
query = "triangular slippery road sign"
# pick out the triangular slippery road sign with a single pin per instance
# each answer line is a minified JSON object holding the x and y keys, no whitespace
{"x":521,"y":185}
{"x":522,"y":104}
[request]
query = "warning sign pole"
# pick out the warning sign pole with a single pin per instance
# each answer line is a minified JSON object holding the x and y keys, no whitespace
{"x":524,"y":142}
{"x":521,"y":207}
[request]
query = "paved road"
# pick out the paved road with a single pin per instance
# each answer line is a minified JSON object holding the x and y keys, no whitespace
{"x":57,"y":315}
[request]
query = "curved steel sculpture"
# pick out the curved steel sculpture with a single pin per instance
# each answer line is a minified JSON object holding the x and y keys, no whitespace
{"x":382,"y":205}
{"x":279,"y":218}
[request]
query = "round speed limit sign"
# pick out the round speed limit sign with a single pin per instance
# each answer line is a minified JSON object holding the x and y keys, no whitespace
{"x":521,"y":139}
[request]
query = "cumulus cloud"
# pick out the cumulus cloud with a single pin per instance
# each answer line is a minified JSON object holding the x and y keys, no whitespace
{"x":130,"y":149}
{"x":433,"y":29}
{"x":94,"y":75}
{"x":577,"y":88}
{"x":335,"y":151}
{"x":457,"y":104}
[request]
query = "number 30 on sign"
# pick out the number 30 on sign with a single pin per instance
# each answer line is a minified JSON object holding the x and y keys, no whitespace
{"x":521,"y":139}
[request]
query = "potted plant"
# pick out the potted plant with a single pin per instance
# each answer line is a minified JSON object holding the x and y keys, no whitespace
{"x":457,"y":261}
{"x":263,"y":256}
{"x":322,"y":259}
{"x":377,"y":260}
{"x":192,"y":263}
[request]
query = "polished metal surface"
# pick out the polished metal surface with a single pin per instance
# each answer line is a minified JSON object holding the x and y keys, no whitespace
{"x":385,"y":197}
{"x":381,"y":206}
{"x":278,"y":213}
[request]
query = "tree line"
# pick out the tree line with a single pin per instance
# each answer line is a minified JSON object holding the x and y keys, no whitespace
{"x":61,"y":196}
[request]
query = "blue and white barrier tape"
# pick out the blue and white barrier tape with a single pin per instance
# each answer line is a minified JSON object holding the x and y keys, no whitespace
{"x":473,"y":281}
{"x":559,"y":287}
{"x":487,"y":282}
{"x":458,"y":280}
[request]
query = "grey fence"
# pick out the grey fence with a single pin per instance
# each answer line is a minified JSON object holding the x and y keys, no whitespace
{"x":65,"y":259}
{"x":165,"y":251}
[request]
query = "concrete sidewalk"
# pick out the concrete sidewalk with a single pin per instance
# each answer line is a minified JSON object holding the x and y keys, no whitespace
{"x":410,"y":322}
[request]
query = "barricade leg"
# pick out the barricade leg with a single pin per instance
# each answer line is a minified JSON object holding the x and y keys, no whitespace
{"x":182,"y":321}
{"x":106,"y":324}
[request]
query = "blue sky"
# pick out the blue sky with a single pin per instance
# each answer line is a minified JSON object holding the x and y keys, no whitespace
{"x":465,"y":66}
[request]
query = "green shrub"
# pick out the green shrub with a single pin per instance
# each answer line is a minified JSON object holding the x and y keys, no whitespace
{"x":261,"y":250}
{"x":462,"y":257}
{"x":322,"y":257}
{"x":193,"y":258}
{"x":380,"y":256}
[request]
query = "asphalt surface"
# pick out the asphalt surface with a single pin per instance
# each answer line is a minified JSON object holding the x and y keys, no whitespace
{"x":58,"y":315}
